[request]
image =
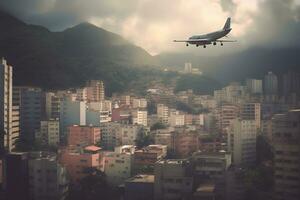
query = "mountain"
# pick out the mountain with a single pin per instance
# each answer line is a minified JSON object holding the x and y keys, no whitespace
{"x":65,"y":59}
{"x":251,"y":63}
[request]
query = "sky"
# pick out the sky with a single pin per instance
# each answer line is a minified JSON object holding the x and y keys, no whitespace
{"x":154,"y":24}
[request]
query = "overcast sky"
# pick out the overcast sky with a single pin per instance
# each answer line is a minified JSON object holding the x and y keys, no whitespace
{"x":154,"y":24}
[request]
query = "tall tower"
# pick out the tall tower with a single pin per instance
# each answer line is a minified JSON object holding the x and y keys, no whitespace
{"x":8,"y":133}
{"x":271,"y":84}
{"x":95,"y":91}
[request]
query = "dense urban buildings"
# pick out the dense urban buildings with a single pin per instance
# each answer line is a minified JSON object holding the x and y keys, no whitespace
{"x":162,"y":145}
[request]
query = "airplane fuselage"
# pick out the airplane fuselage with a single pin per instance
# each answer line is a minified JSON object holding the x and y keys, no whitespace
{"x":211,"y":37}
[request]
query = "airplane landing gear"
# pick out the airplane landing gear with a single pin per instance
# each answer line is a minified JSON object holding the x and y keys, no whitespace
{"x":214,"y":43}
{"x":221,"y":44}
{"x":204,"y":46}
{"x":187,"y":44}
{"x":197,"y":45}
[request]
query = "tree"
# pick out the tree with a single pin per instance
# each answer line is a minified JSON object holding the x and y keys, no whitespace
{"x":143,"y":139}
{"x":156,"y":126}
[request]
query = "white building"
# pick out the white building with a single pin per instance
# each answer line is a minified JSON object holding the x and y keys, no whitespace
{"x":104,"y":105}
{"x":117,"y":165}
{"x":9,"y":116}
{"x":254,"y":86}
{"x":47,"y":179}
{"x":95,"y":118}
{"x":163,"y":113}
{"x":139,"y":103}
{"x":48,"y":134}
{"x":188,"y":68}
{"x":242,"y":142}
{"x":176,"y":119}
{"x":140,"y":117}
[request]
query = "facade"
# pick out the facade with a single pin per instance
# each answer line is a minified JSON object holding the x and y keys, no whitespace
{"x":15,"y":176}
{"x":270,"y":84}
{"x":139,"y":103}
{"x":163,"y":113}
{"x":185,"y":143}
{"x":83,"y":135}
{"x":118,"y":164}
{"x":140,"y":117}
{"x":254,"y":86}
{"x":108,"y":135}
{"x":125,"y":100}
{"x":7,"y":126}
{"x":47,"y":179}
{"x":76,"y":160}
{"x":48,"y":133}
{"x":81,"y":94}
{"x":139,"y":187}
{"x":31,"y":102}
{"x":224,"y":115}
{"x":173,"y":180}
{"x":71,"y":113}
{"x":127,"y":134}
{"x":286,"y":144}
{"x":95,"y":91}
{"x":52,"y":105}
{"x":251,"y":111}
{"x":211,"y":165}
{"x":176,"y":119}
{"x":242,"y":142}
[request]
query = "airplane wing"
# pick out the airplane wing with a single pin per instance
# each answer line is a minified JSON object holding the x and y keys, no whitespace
{"x":226,"y":40}
{"x":192,"y":40}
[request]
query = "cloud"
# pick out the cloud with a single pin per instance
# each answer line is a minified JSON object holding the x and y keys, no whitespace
{"x":154,"y":24}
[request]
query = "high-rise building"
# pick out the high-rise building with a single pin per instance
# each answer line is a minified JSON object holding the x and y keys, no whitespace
{"x":254,"y":86}
{"x":71,"y":113}
{"x":52,"y":105}
{"x":95,"y":90}
{"x":48,"y":133}
{"x":47,"y":178}
{"x":242,"y":142}
{"x":291,"y":83}
{"x":270,"y":84}
{"x":8,"y":113}
{"x":251,"y":111}
{"x":286,"y":145}
{"x":15,"y":176}
{"x":224,"y":114}
{"x":188,"y":68}
{"x":140,"y":117}
{"x":31,"y":102}
{"x":173,"y":179}
{"x":163,"y":113}
{"x":139,"y":103}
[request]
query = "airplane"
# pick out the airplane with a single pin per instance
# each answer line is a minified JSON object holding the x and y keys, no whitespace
{"x":210,"y":38}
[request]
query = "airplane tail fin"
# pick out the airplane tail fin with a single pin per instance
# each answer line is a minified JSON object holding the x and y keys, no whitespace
{"x":227,"y":24}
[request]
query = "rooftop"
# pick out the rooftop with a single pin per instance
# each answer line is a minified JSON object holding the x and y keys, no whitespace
{"x":141,"y":178}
